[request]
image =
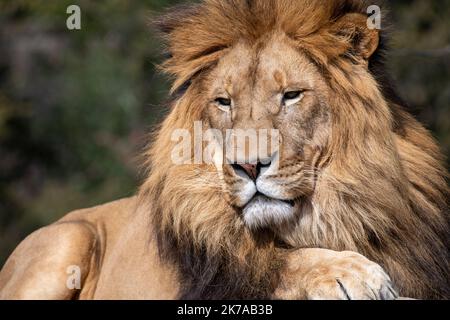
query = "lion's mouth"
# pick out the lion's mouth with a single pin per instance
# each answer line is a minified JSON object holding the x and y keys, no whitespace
{"x":264,"y":211}
{"x":267,"y":198}
{"x":258,"y":192}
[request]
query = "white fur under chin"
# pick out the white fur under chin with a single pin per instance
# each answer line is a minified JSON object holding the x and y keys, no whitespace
{"x":263,"y":212}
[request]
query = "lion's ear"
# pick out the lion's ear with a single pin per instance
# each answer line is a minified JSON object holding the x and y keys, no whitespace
{"x":353,"y":29}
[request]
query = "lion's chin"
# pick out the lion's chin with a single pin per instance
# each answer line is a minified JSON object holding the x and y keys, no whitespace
{"x":262,"y":212}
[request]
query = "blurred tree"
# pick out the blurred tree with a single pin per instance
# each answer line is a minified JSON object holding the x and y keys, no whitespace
{"x":420,"y":61}
{"x":74,"y":107}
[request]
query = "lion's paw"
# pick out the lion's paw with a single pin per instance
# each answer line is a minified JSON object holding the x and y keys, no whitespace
{"x":339,"y":276}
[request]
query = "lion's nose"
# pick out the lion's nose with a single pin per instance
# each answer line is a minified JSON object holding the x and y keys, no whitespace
{"x":251,"y":170}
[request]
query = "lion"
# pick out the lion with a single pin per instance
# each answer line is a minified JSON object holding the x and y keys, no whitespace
{"x":356,"y":208}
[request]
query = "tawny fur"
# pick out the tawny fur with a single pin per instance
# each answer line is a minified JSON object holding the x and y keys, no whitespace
{"x":382,"y":190}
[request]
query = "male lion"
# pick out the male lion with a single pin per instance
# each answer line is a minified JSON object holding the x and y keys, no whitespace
{"x":357,"y":175}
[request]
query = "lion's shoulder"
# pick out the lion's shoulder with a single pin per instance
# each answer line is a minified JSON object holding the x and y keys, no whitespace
{"x":109,"y":213}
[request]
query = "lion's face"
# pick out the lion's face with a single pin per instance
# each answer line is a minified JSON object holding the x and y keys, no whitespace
{"x":264,"y":87}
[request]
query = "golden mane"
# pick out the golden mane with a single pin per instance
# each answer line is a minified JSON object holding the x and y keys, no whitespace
{"x":383,"y":192}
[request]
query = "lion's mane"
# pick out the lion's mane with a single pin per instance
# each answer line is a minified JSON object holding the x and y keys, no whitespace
{"x":383,"y":193}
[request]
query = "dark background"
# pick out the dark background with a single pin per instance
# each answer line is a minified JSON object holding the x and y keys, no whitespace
{"x":75,"y":106}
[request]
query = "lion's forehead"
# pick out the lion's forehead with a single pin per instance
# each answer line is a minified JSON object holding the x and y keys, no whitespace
{"x":268,"y":65}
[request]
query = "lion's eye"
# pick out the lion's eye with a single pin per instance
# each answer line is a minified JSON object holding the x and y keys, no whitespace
{"x":292,"y":97}
{"x":223,"y":103}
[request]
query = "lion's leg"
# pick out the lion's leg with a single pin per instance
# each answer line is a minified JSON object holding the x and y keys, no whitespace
{"x":50,"y":264}
{"x":325,"y":274}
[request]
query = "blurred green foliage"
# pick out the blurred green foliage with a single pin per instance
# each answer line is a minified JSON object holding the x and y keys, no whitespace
{"x":75,"y":106}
